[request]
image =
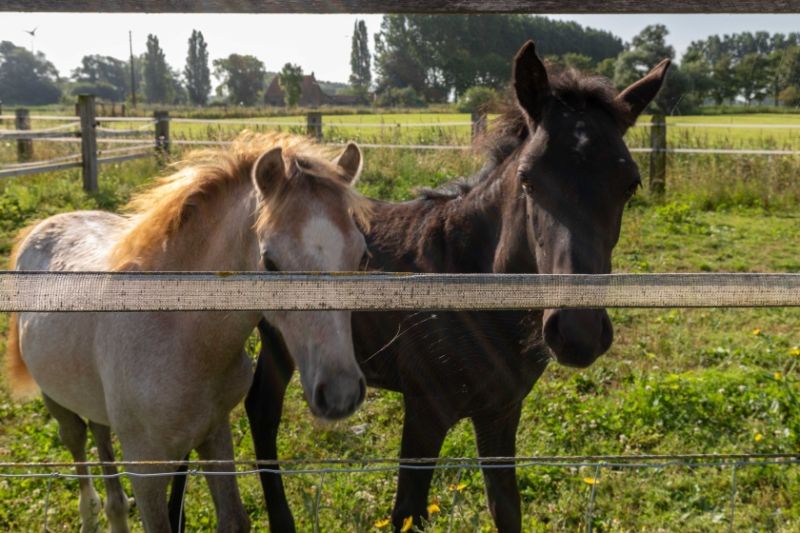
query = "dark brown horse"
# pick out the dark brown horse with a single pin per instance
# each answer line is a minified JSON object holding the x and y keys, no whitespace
{"x":549,"y":200}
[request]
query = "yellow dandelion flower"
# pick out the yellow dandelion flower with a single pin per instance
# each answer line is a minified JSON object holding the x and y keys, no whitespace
{"x":758,"y":437}
{"x":407,"y":523}
{"x":757,"y":331}
{"x":459,"y":487}
{"x":380,"y":524}
{"x":778,"y":376}
{"x":433,"y":508}
{"x":795,"y":351}
{"x":591,"y":481}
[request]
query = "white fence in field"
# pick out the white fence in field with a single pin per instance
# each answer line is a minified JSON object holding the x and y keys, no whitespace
{"x":153,"y":138}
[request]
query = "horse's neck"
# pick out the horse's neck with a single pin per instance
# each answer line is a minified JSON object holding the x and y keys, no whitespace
{"x":218,"y":235}
{"x":495,"y":212}
{"x":481,"y":231}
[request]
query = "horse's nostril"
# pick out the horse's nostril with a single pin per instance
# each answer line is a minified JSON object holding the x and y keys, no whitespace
{"x":319,"y":398}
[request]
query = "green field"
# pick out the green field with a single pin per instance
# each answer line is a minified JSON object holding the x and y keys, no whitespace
{"x":675,"y":381}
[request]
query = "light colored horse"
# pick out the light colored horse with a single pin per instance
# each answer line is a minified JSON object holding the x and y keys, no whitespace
{"x":165,"y":383}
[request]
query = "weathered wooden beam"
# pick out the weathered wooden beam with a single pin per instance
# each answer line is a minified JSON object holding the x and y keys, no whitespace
{"x":24,"y":143}
{"x":406,"y":6}
{"x":223,"y":291}
{"x":88,"y":141}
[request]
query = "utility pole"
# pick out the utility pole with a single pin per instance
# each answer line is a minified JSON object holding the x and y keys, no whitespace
{"x":133,"y":76}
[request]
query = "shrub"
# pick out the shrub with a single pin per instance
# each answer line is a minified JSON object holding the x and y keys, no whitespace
{"x":394,"y":97}
{"x":479,"y":99}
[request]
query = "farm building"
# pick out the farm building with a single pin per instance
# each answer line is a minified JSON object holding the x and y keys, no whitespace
{"x":311,"y":94}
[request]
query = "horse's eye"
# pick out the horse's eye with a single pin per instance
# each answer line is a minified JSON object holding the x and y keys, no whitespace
{"x":269,"y":264}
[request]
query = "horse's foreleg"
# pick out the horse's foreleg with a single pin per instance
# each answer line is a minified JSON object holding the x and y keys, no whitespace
{"x":72,"y":430}
{"x":116,"y":501}
{"x":231,"y":516}
{"x":177,"y":516}
{"x":423,"y":435}
{"x":496,"y":437}
{"x":149,"y":481}
{"x":264,"y":405}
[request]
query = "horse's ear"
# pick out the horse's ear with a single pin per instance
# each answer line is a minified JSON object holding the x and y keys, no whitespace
{"x":351,"y":161}
{"x":268,"y":171}
{"x":530,"y":82}
{"x":640,"y":93}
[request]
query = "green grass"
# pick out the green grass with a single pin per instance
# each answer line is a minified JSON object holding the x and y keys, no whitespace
{"x":675,"y":381}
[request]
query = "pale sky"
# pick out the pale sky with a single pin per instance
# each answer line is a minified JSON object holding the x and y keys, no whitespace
{"x":319,"y":43}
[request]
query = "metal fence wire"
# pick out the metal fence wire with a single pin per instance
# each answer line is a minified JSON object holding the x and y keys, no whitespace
{"x":56,"y":472}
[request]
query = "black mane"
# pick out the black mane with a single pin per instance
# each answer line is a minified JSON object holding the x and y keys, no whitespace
{"x":510,"y":130}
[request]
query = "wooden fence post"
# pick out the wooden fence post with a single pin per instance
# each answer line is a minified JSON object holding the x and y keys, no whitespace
{"x":162,"y":131}
{"x":314,"y":124}
{"x":478,"y":119}
{"x":658,"y":155}
{"x":88,"y":141}
{"x":24,"y":146}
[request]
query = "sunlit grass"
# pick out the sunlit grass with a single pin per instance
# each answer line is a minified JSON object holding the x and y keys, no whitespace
{"x":675,"y":381}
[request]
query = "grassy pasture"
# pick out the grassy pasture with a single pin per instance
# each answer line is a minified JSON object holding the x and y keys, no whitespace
{"x":675,"y":381}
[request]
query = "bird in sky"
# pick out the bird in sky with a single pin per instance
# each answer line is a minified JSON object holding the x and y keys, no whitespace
{"x":32,"y":32}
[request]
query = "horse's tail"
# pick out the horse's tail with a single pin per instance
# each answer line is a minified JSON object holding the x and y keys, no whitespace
{"x":20,"y":381}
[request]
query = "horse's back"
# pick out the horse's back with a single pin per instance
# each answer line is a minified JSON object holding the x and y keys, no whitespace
{"x":57,"y":348}
{"x":81,"y":240}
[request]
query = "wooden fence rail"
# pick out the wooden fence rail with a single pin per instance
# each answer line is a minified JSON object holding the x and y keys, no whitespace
{"x":406,"y":6}
{"x":184,"y":291}
{"x":314,"y":126}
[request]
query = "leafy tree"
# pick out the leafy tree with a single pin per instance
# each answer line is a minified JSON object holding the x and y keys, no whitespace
{"x":751,"y":75}
{"x":177,"y":92}
{"x":157,"y":82}
{"x":104,"y":76}
{"x":26,"y":78}
{"x":785,"y":71}
{"x":440,"y":55}
{"x":577,"y":61}
{"x":241,"y":76}
{"x":360,"y":61}
{"x":405,"y":97}
{"x":397,"y":56}
{"x":290,"y":79}
{"x":606,"y":67}
{"x":724,"y":87}
{"x":696,"y":68}
{"x":196,"y":73}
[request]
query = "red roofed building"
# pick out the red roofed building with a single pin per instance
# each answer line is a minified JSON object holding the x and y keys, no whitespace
{"x":311,"y":94}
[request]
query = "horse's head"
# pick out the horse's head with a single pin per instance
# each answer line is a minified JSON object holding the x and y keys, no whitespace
{"x":308,"y":222}
{"x":577,"y":175}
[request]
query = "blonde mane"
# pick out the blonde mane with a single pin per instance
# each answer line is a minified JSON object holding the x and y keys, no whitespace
{"x":160,"y":211}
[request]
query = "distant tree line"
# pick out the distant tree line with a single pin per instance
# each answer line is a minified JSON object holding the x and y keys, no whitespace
{"x":440,"y":57}
{"x":420,"y":59}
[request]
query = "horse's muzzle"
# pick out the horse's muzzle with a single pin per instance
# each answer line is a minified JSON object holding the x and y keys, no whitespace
{"x":577,"y":337}
{"x":338,"y":398}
